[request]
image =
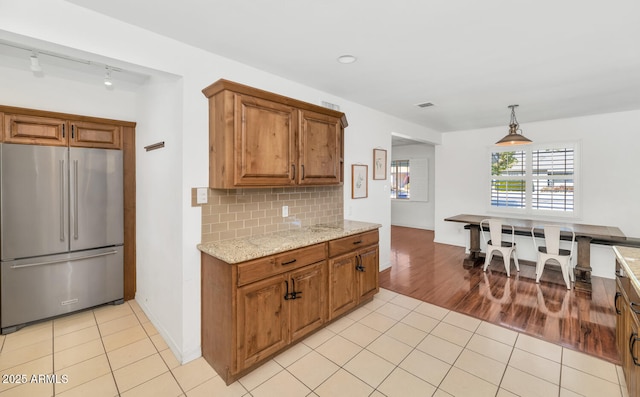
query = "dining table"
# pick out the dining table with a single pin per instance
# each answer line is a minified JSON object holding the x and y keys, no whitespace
{"x":585,"y":235}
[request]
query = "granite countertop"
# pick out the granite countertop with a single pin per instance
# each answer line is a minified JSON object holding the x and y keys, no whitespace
{"x":630,"y":259}
{"x":253,"y":247}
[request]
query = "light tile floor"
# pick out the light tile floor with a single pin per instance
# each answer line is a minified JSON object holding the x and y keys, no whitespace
{"x":393,"y":346}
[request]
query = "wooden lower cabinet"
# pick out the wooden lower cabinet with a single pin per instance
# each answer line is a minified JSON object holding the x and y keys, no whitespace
{"x":308,"y":311}
{"x":627,"y":306}
{"x":262,"y":320}
{"x":342,"y":285}
{"x":353,"y":276}
{"x":255,"y":309}
{"x":271,"y":315}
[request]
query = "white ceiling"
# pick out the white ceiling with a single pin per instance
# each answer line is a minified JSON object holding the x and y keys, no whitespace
{"x":471,"y":58}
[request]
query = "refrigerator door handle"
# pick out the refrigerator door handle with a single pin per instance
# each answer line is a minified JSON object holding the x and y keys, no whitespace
{"x":61,"y":200}
{"x":64,"y":260}
{"x":75,"y":199}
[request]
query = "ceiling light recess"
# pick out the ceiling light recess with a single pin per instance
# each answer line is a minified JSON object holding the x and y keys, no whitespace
{"x":347,"y":59}
{"x":513,"y":138}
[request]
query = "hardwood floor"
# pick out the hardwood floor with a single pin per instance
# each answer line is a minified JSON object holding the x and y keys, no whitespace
{"x":434,"y":273}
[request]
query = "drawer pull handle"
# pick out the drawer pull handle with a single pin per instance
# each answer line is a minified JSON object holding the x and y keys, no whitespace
{"x":295,"y":294}
{"x":615,"y":302}
{"x":63,"y":260}
{"x":357,"y":242}
{"x":633,"y":306}
{"x":291,"y":295}
{"x":632,"y":342}
{"x":286,"y":292}
{"x":288,"y":262}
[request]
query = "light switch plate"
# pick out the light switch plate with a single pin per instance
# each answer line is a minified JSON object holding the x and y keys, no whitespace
{"x":201,"y":195}
{"x":285,"y":211}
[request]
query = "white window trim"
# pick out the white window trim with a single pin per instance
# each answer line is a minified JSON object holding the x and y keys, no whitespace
{"x":528,"y":211}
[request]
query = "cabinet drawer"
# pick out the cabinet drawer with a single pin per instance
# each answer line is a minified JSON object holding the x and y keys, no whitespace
{"x":96,"y":135}
{"x":34,"y":130}
{"x":259,"y":269}
{"x":348,"y":244}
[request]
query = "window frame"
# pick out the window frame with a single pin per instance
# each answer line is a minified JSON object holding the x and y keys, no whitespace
{"x":529,"y":177}
{"x":393,"y":183}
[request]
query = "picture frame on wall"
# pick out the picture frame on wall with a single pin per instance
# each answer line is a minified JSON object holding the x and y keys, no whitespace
{"x":379,"y":164}
{"x":359,"y":181}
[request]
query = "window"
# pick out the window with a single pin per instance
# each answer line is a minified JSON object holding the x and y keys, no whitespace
{"x":400,"y":179}
{"x":537,"y":179}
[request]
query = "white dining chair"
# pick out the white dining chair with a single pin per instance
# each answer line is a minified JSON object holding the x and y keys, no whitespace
{"x":552,"y":250}
{"x":496,"y":243}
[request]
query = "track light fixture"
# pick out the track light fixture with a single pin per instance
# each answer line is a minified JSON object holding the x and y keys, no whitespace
{"x":107,"y":78}
{"x":35,"y":63}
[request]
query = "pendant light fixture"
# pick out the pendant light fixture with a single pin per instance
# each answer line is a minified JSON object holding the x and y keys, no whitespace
{"x":513,"y":137}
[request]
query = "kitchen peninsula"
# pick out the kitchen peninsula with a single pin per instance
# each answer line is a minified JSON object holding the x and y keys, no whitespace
{"x":260,"y":294}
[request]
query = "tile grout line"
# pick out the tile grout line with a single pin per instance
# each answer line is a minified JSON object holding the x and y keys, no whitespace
{"x":113,"y":375}
{"x":170,"y":370}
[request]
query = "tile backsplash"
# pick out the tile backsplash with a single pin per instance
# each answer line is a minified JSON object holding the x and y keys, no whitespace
{"x":237,"y":213}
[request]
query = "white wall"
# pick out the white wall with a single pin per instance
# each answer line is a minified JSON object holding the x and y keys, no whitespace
{"x":175,"y":111}
{"x":417,"y":214}
{"x":159,"y":213}
{"x":609,"y":165}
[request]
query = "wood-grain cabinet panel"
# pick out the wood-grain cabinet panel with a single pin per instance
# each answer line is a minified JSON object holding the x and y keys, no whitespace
{"x":35,"y":130}
{"x":264,"y":267}
{"x":262,"y":319}
{"x":253,"y":310}
{"x":261,"y":139}
{"x":96,"y":135}
{"x":627,"y":306}
{"x":353,"y":273}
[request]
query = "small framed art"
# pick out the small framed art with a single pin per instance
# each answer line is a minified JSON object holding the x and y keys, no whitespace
{"x":379,"y":164}
{"x":359,"y":181}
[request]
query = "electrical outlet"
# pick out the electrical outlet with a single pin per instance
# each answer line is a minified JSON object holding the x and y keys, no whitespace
{"x":285,"y":211}
{"x":201,"y":195}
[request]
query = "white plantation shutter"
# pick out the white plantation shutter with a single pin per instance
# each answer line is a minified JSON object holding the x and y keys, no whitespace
{"x":553,"y":180}
{"x":537,"y":179}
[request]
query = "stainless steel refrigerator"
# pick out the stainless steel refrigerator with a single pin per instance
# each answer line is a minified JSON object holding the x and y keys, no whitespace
{"x":61,"y":231}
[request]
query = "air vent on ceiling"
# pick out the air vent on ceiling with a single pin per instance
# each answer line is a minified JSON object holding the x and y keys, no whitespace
{"x":329,"y":105}
{"x":425,"y":104}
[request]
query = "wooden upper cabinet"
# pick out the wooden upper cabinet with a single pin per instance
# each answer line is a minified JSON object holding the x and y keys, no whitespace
{"x":261,"y":139}
{"x":265,"y":144}
{"x":95,"y":135}
{"x":35,"y":130}
{"x":37,"y":127}
{"x":320,"y":147}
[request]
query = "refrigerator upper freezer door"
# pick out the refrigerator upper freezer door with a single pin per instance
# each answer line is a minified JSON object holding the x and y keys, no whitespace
{"x":34,"y":201}
{"x":96,"y":198}
{"x":38,"y":288}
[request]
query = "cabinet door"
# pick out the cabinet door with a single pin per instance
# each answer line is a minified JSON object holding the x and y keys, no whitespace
{"x":633,"y":354}
{"x":342,"y":284}
{"x":621,"y":306}
{"x":95,"y":135}
{"x":367,"y":270}
{"x":265,"y":150}
{"x":308,"y":309}
{"x":262,"y":319}
{"x":320,"y":149}
{"x":35,"y":130}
